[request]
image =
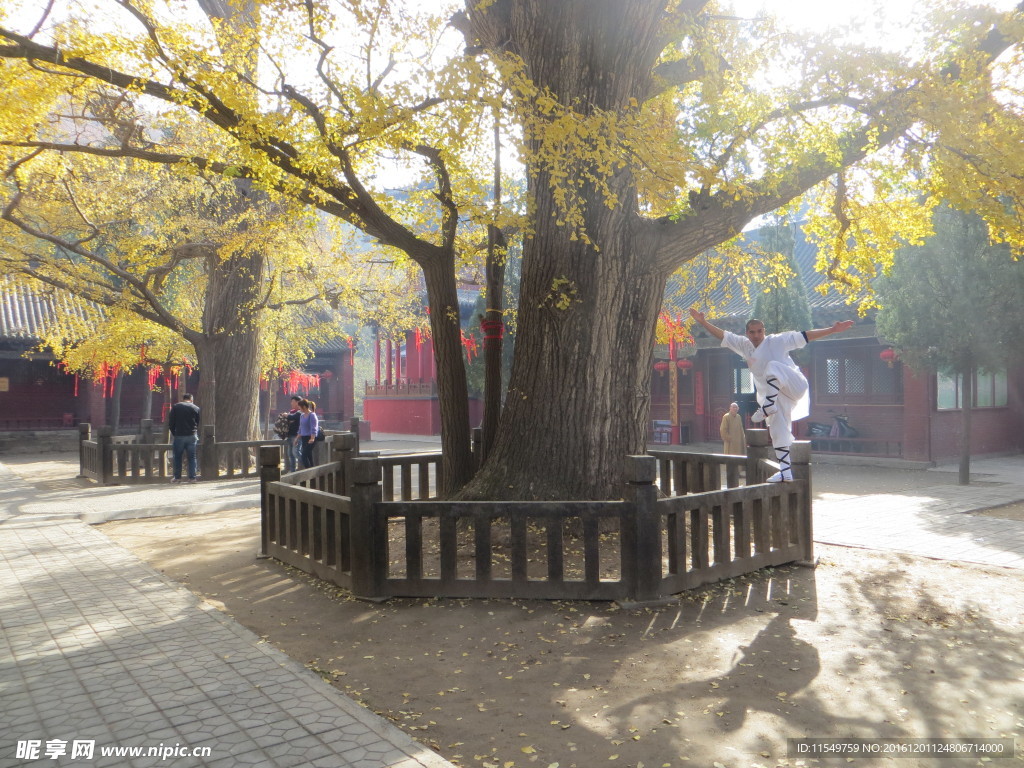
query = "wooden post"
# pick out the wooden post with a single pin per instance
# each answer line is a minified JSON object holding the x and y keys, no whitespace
{"x":354,"y":429}
{"x":478,"y":447}
{"x":209,"y":466}
{"x":344,"y":448}
{"x":104,"y":441}
{"x":759,"y":446}
{"x":643,"y":562}
{"x":270,"y":472}
{"x":84,"y":432}
{"x":800,"y":458}
{"x":365,"y":494}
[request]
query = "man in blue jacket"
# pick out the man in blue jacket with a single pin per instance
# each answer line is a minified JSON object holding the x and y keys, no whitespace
{"x":183,"y":424}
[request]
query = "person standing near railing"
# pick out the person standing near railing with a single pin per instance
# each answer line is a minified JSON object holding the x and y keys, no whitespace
{"x":782,"y":391}
{"x":288,"y":424}
{"x":183,"y":424}
{"x":309,"y":426}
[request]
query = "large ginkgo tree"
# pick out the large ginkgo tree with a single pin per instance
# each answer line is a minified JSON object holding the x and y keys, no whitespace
{"x":649,"y":131}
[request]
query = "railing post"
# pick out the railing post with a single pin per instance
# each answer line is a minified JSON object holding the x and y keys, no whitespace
{"x":759,"y":446}
{"x":800,"y":457}
{"x":353,"y":427}
{"x":644,"y":556}
{"x":146,"y":431}
{"x":84,"y":432}
{"x":344,"y":448}
{"x":104,"y":443}
{"x":270,"y":472}
{"x":209,"y":466}
{"x":477,"y":447}
{"x":365,"y":494}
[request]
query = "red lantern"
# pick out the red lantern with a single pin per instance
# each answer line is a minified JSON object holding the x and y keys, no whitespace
{"x":888,"y":355}
{"x":684,"y":365}
{"x":661,"y":366}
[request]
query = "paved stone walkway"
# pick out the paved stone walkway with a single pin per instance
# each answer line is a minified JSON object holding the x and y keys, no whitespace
{"x":97,"y":647}
{"x":930,"y":519}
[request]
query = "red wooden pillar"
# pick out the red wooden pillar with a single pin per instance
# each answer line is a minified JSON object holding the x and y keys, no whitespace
{"x":423,"y":352}
{"x":412,"y":357}
{"x":376,"y":359}
{"x":430,"y":369}
{"x":390,"y":360}
{"x":917,"y":412}
{"x":348,"y":384}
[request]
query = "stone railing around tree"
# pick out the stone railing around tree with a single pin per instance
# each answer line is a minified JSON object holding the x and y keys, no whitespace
{"x":693,"y":530}
{"x":138,"y":459}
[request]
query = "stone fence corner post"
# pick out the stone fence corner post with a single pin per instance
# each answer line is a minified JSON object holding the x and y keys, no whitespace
{"x":367,"y":551}
{"x":343,"y":448}
{"x":84,"y":433}
{"x":209,"y":465}
{"x":759,"y":446}
{"x":105,"y":446}
{"x":643,"y":560}
{"x":800,"y":458}
{"x":270,"y":472}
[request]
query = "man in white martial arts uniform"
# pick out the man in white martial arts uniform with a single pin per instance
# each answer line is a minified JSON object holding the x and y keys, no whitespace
{"x":781,"y":387}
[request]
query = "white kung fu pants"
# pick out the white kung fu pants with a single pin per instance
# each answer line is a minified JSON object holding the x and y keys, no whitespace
{"x":791,"y":401}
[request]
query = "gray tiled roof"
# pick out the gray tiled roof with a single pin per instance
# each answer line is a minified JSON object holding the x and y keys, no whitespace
{"x":805,"y":254}
{"x":26,"y":310}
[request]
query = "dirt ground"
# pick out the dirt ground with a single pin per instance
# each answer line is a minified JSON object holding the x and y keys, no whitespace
{"x":866,"y":645}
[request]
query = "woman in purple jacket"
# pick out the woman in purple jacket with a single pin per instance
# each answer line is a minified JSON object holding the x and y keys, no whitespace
{"x":309,"y":425}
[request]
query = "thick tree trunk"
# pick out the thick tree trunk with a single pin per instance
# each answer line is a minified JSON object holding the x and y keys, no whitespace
{"x":452,"y":390}
{"x":229,"y":385}
{"x":578,"y":399}
{"x":228,"y":350}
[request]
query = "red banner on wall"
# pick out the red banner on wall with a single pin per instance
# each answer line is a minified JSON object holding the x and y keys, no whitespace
{"x":698,"y":393}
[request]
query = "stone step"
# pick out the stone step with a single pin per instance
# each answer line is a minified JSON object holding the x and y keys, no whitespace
{"x":62,"y":441}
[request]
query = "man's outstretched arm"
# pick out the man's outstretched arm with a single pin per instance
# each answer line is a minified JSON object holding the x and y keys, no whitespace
{"x":837,"y":327}
{"x":714,"y":330}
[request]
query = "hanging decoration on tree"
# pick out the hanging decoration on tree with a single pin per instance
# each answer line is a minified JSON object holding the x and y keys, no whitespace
{"x":153,"y":378}
{"x":106,"y":378}
{"x":889,"y":356}
{"x":470,"y":344}
{"x":297,"y":382}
